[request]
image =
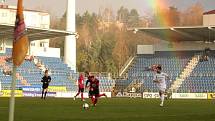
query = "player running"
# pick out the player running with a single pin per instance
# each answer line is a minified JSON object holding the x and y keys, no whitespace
{"x":160,"y":79}
{"x":94,"y":90}
{"x":80,"y":87}
{"x":87,"y":74}
{"x":45,"y":80}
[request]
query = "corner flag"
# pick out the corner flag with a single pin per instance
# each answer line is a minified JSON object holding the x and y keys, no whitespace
{"x":20,"y":42}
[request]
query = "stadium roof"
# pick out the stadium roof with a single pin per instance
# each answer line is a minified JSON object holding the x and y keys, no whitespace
{"x":6,"y":32}
{"x":193,"y":33}
{"x":209,"y":12}
{"x":15,"y":8}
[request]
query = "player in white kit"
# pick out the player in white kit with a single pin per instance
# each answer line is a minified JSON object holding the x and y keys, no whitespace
{"x":160,"y":79}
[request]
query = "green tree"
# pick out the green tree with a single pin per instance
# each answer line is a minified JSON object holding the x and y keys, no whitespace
{"x":123,"y":15}
{"x":173,"y":16}
{"x":120,"y":52}
{"x":103,"y":42}
{"x":193,"y":15}
{"x":133,"y":20}
{"x":166,"y":17}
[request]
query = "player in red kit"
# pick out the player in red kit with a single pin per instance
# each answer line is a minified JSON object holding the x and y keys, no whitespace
{"x":94,"y":90}
{"x":80,"y":87}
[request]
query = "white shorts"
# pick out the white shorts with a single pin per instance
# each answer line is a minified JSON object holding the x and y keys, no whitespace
{"x":162,"y":89}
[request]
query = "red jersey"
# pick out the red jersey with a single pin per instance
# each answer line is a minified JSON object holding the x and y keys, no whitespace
{"x":81,"y":81}
{"x":94,"y":85}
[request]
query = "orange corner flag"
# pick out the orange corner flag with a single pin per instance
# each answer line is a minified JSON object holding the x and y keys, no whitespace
{"x":20,"y":43}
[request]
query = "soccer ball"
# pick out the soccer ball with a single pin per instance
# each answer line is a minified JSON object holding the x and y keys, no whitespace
{"x":86,"y":106}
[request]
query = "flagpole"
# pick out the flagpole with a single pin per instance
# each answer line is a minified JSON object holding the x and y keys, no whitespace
{"x":20,"y":49}
{"x":12,"y":97}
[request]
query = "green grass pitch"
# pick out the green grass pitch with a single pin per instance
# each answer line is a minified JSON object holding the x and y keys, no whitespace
{"x":114,"y":109}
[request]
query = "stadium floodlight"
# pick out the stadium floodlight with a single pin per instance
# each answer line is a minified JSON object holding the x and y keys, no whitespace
{"x":76,"y":35}
{"x":210,"y":27}
{"x":135,"y":30}
{"x":172,"y":29}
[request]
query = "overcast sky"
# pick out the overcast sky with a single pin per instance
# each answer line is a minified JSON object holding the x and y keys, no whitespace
{"x":58,"y":7}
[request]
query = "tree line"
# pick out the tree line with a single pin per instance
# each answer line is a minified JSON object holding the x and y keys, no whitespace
{"x":104,"y":44}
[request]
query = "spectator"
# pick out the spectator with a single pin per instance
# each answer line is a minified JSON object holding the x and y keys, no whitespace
{"x":7,"y":72}
{"x":29,"y":58}
{"x":38,"y":64}
{"x":8,"y":59}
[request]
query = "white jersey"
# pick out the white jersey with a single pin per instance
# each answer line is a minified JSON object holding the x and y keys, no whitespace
{"x":162,"y":78}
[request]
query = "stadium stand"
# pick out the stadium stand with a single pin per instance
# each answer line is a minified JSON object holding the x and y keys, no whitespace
{"x":30,"y":73}
{"x":199,"y":79}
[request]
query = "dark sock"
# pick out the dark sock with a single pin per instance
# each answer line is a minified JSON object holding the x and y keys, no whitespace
{"x":42,"y":94}
{"x":45,"y":95}
{"x":82,"y":96}
{"x":77,"y":94}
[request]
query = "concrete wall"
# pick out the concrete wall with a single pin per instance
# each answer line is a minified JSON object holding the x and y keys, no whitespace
{"x":145,"y":49}
{"x":209,"y":20}
{"x":45,"y":51}
{"x":70,"y":41}
{"x":181,"y":46}
{"x":32,"y":18}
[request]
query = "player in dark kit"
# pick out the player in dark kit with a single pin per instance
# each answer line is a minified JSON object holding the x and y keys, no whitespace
{"x":45,"y":80}
{"x":94,"y":90}
{"x":87,"y":74}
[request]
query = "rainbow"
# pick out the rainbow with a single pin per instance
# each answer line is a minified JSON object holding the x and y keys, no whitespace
{"x":160,"y":10}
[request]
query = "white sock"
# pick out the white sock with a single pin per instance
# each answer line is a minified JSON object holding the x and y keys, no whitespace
{"x":162,"y":98}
